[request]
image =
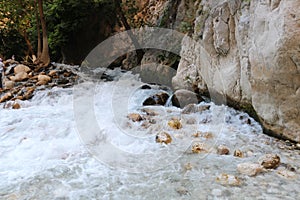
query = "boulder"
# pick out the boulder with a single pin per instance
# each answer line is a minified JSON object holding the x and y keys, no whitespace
{"x":21,"y":68}
{"x":6,"y":97}
{"x":21,"y":76}
{"x":9,"y":84}
{"x":182,"y":98}
{"x":43,"y":79}
{"x":157,"y":99}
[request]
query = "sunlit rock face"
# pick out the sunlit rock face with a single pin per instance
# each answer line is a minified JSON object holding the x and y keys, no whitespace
{"x":248,"y":51}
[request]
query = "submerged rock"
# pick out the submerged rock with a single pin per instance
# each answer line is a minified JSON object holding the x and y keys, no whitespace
{"x":238,"y":153}
{"x":198,"y":148}
{"x":175,"y":124}
{"x":250,"y":169}
{"x":193,"y":108}
{"x":228,"y":179}
{"x":163,"y":137}
{"x":222,"y":150}
{"x":270,"y":161}
{"x":135,"y":117}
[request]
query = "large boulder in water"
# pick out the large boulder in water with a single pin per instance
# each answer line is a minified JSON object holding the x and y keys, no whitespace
{"x":157,"y":99}
{"x":183,"y":97}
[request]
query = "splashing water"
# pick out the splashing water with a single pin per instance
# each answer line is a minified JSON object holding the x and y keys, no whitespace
{"x":42,"y":157}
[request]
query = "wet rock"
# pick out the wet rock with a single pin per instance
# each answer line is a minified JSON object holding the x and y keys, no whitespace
{"x":222,"y":150}
{"x":182,"y":97}
{"x":238,"y":153}
{"x":135,"y":117}
{"x":6,"y":97}
{"x":286,"y":174}
{"x":67,"y":73}
{"x":44,"y":78}
{"x":157,"y":99}
{"x":9,"y":84}
{"x":9,"y":69}
{"x":188,"y":166}
{"x":182,"y":190}
{"x":21,"y":68}
{"x":52,"y":73}
{"x":146,"y":87}
{"x":193,"y":108}
{"x":62,"y":81}
{"x":16,"y":106}
{"x":150,"y":112}
{"x":175,"y":124}
{"x":250,"y":169}
{"x":270,"y":161}
{"x":21,"y":76}
{"x":198,"y":147}
{"x":163,"y":137}
{"x":228,"y":179}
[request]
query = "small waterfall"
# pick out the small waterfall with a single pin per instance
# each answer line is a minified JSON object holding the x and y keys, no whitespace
{"x":169,"y":101}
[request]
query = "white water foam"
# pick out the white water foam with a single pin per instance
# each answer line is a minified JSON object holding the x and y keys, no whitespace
{"x":42,"y":157}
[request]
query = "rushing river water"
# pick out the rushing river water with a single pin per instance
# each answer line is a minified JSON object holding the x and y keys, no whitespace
{"x":42,"y":155}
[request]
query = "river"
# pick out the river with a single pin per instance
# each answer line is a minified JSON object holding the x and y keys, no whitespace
{"x":44,"y":154}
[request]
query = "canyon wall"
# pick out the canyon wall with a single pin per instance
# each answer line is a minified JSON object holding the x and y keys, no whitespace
{"x":248,"y":52}
{"x":245,"y":53}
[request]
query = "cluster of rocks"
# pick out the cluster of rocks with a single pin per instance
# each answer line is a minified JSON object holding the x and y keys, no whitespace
{"x":264,"y":164}
{"x":180,"y":98}
{"x":21,"y":81}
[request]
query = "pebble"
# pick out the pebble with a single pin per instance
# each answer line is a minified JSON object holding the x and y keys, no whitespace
{"x":198,"y":147}
{"x":175,"y":124}
{"x":163,"y":137}
{"x":16,"y":106}
{"x":270,"y":161}
{"x":238,"y":153}
{"x":228,"y":179}
{"x":135,"y":117}
{"x":222,"y":150}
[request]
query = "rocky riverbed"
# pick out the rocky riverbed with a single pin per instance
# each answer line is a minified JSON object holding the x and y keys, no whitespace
{"x":22,"y":81}
{"x":201,"y":151}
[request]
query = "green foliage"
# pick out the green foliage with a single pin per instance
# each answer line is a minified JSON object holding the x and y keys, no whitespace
{"x":65,"y":17}
{"x":15,"y":21}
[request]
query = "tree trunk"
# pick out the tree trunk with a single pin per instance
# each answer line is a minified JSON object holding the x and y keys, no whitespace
{"x":39,"y":47}
{"x":44,"y":59}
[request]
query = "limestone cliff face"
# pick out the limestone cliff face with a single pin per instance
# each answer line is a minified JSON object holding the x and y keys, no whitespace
{"x":242,"y":52}
{"x":249,"y":52}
